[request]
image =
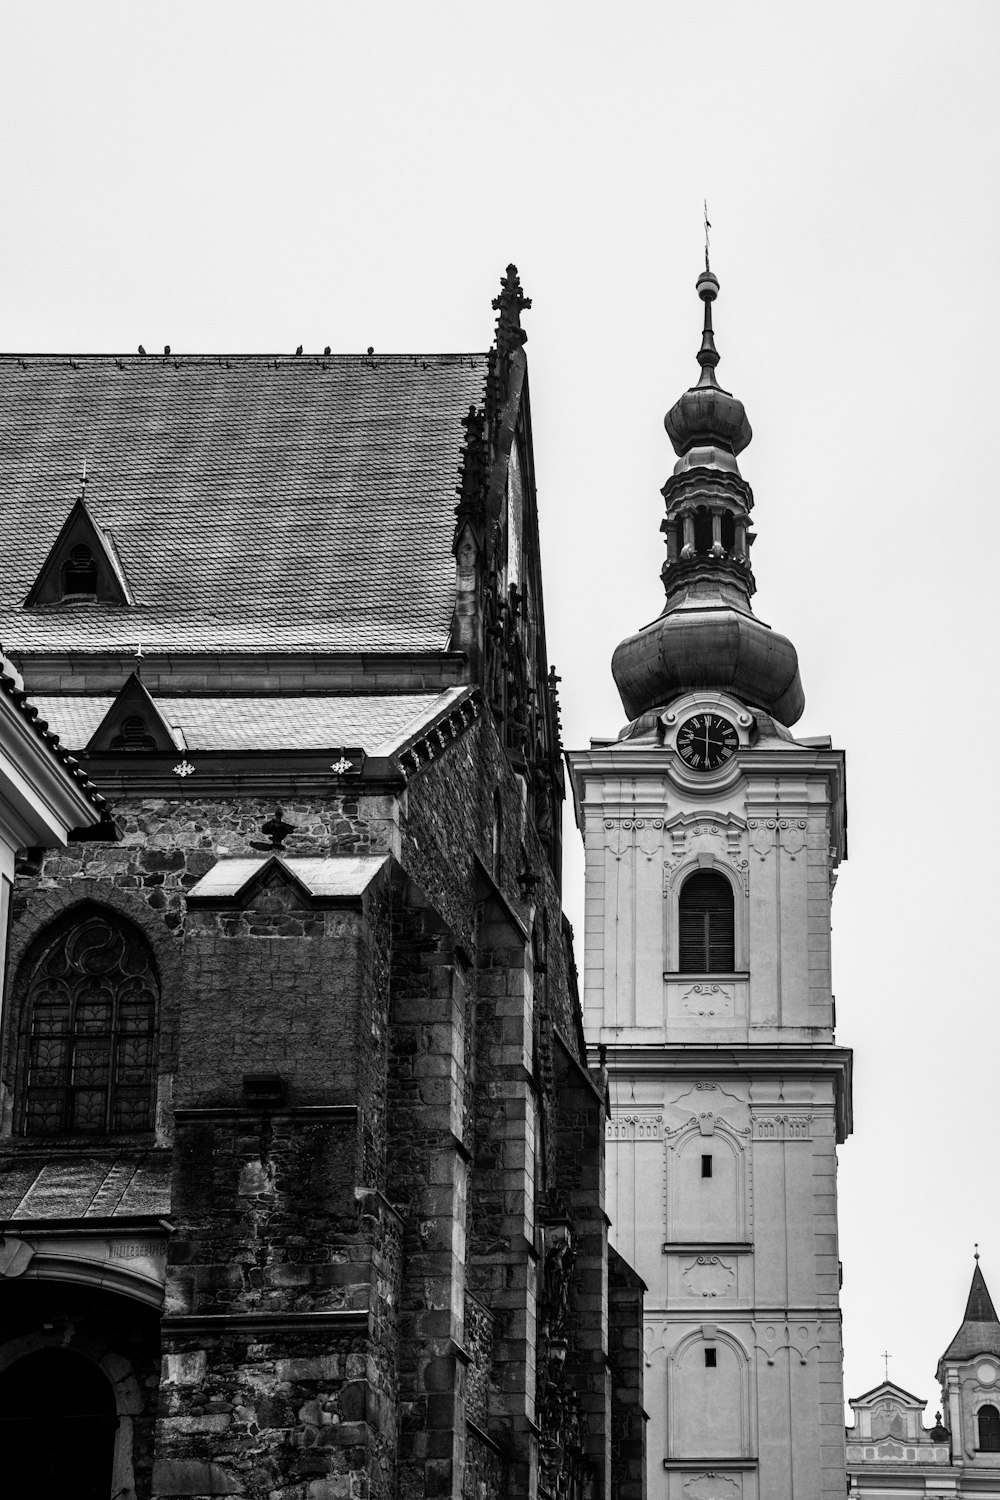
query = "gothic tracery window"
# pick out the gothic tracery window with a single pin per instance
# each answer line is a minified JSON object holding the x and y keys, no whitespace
{"x":92,"y":1005}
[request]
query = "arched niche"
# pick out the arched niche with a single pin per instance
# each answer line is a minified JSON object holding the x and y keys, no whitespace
{"x":707,"y":1186}
{"x":709,"y":1397}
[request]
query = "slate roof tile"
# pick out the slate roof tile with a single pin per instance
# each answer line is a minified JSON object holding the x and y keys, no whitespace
{"x":74,"y":1187}
{"x":308,"y":506}
{"x":379,"y":725}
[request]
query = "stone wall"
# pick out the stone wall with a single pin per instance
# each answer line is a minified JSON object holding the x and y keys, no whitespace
{"x":355,"y":1264}
{"x":625,"y":1360}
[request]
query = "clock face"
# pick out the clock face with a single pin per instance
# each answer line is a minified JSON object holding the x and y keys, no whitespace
{"x":706,"y":741}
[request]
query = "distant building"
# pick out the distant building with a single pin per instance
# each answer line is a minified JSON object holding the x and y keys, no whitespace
{"x":892,"y":1456}
{"x":713,"y":838}
{"x":301,"y":1166}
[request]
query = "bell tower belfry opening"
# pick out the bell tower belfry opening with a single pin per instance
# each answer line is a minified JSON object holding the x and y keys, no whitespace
{"x":713,"y":838}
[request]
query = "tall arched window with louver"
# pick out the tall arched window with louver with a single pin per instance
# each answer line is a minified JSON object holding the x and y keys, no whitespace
{"x":706,"y":925}
{"x":92,"y":1009}
{"x":989,"y":1429}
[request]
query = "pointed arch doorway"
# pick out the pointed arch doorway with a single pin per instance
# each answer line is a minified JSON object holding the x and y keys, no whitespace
{"x":57,"y":1427}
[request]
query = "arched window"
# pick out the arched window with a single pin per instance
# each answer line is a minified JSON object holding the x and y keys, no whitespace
{"x":91,"y":1016}
{"x":706,"y":925}
{"x":728,"y":532}
{"x":702,"y":530}
{"x":57,"y":1427}
{"x":80,"y":574}
{"x":134,"y":735}
{"x":989,"y":1429}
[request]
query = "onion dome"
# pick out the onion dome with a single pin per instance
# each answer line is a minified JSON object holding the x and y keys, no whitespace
{"x":707,"y":636}
{"x":707,"y":415}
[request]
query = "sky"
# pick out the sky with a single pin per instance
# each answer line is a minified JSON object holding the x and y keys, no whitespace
{"x":246,"y":176}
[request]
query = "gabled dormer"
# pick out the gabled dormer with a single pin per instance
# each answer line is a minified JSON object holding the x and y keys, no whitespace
{"x":82,"y":567}
{"x":133,"y":722}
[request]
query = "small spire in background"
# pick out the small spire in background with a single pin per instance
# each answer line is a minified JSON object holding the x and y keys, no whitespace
{"x":707,"y":228}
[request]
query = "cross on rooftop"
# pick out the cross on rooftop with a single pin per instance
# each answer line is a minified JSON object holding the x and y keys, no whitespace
{"x":886,"y":1356}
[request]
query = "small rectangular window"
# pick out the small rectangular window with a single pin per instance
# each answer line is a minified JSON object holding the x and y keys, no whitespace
{"x":706,"y":1166}
{"x":709,"y":1359}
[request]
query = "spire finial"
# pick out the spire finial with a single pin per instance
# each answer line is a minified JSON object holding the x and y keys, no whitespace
{"x":707,"y":228}
{"x":707,"y":287}
{"x":83,"y":481}
{"x":510,"y":304}
{"x":886,"y":1356}
{"x":977,"y":1252}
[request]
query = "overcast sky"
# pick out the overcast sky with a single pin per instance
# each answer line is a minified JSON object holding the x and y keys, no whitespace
{"x":249,"y":176}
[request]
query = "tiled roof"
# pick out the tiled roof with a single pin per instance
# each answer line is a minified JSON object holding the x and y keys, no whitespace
{"x":12,"y":684}
{"x":334,"y":875}
{"x":95,"y":1186}
{"x":979,"y":1308}
{"x":379,"y":725}
{"x":294,"y":503}
{"x":980,"y":1330}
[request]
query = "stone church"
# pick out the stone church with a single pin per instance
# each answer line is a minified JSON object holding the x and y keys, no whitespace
{"x":713,"y":837}
{"x":301,"y":1165}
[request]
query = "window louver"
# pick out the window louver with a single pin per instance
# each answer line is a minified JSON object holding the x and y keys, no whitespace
{"x":706,"y":926}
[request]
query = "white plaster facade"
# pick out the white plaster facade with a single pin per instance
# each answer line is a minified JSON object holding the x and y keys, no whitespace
{"x":742,"y":1067}
{"x":891,"y":1454}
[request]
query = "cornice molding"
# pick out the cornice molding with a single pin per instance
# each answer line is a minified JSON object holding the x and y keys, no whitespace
{"x":703,"y":1060}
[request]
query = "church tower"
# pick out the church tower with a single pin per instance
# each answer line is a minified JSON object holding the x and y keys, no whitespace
{"x":969,"y":1372}
{"x":712,"y":841}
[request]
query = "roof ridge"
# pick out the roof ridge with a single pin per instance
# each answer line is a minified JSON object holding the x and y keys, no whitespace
{"x":308,"y":359}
